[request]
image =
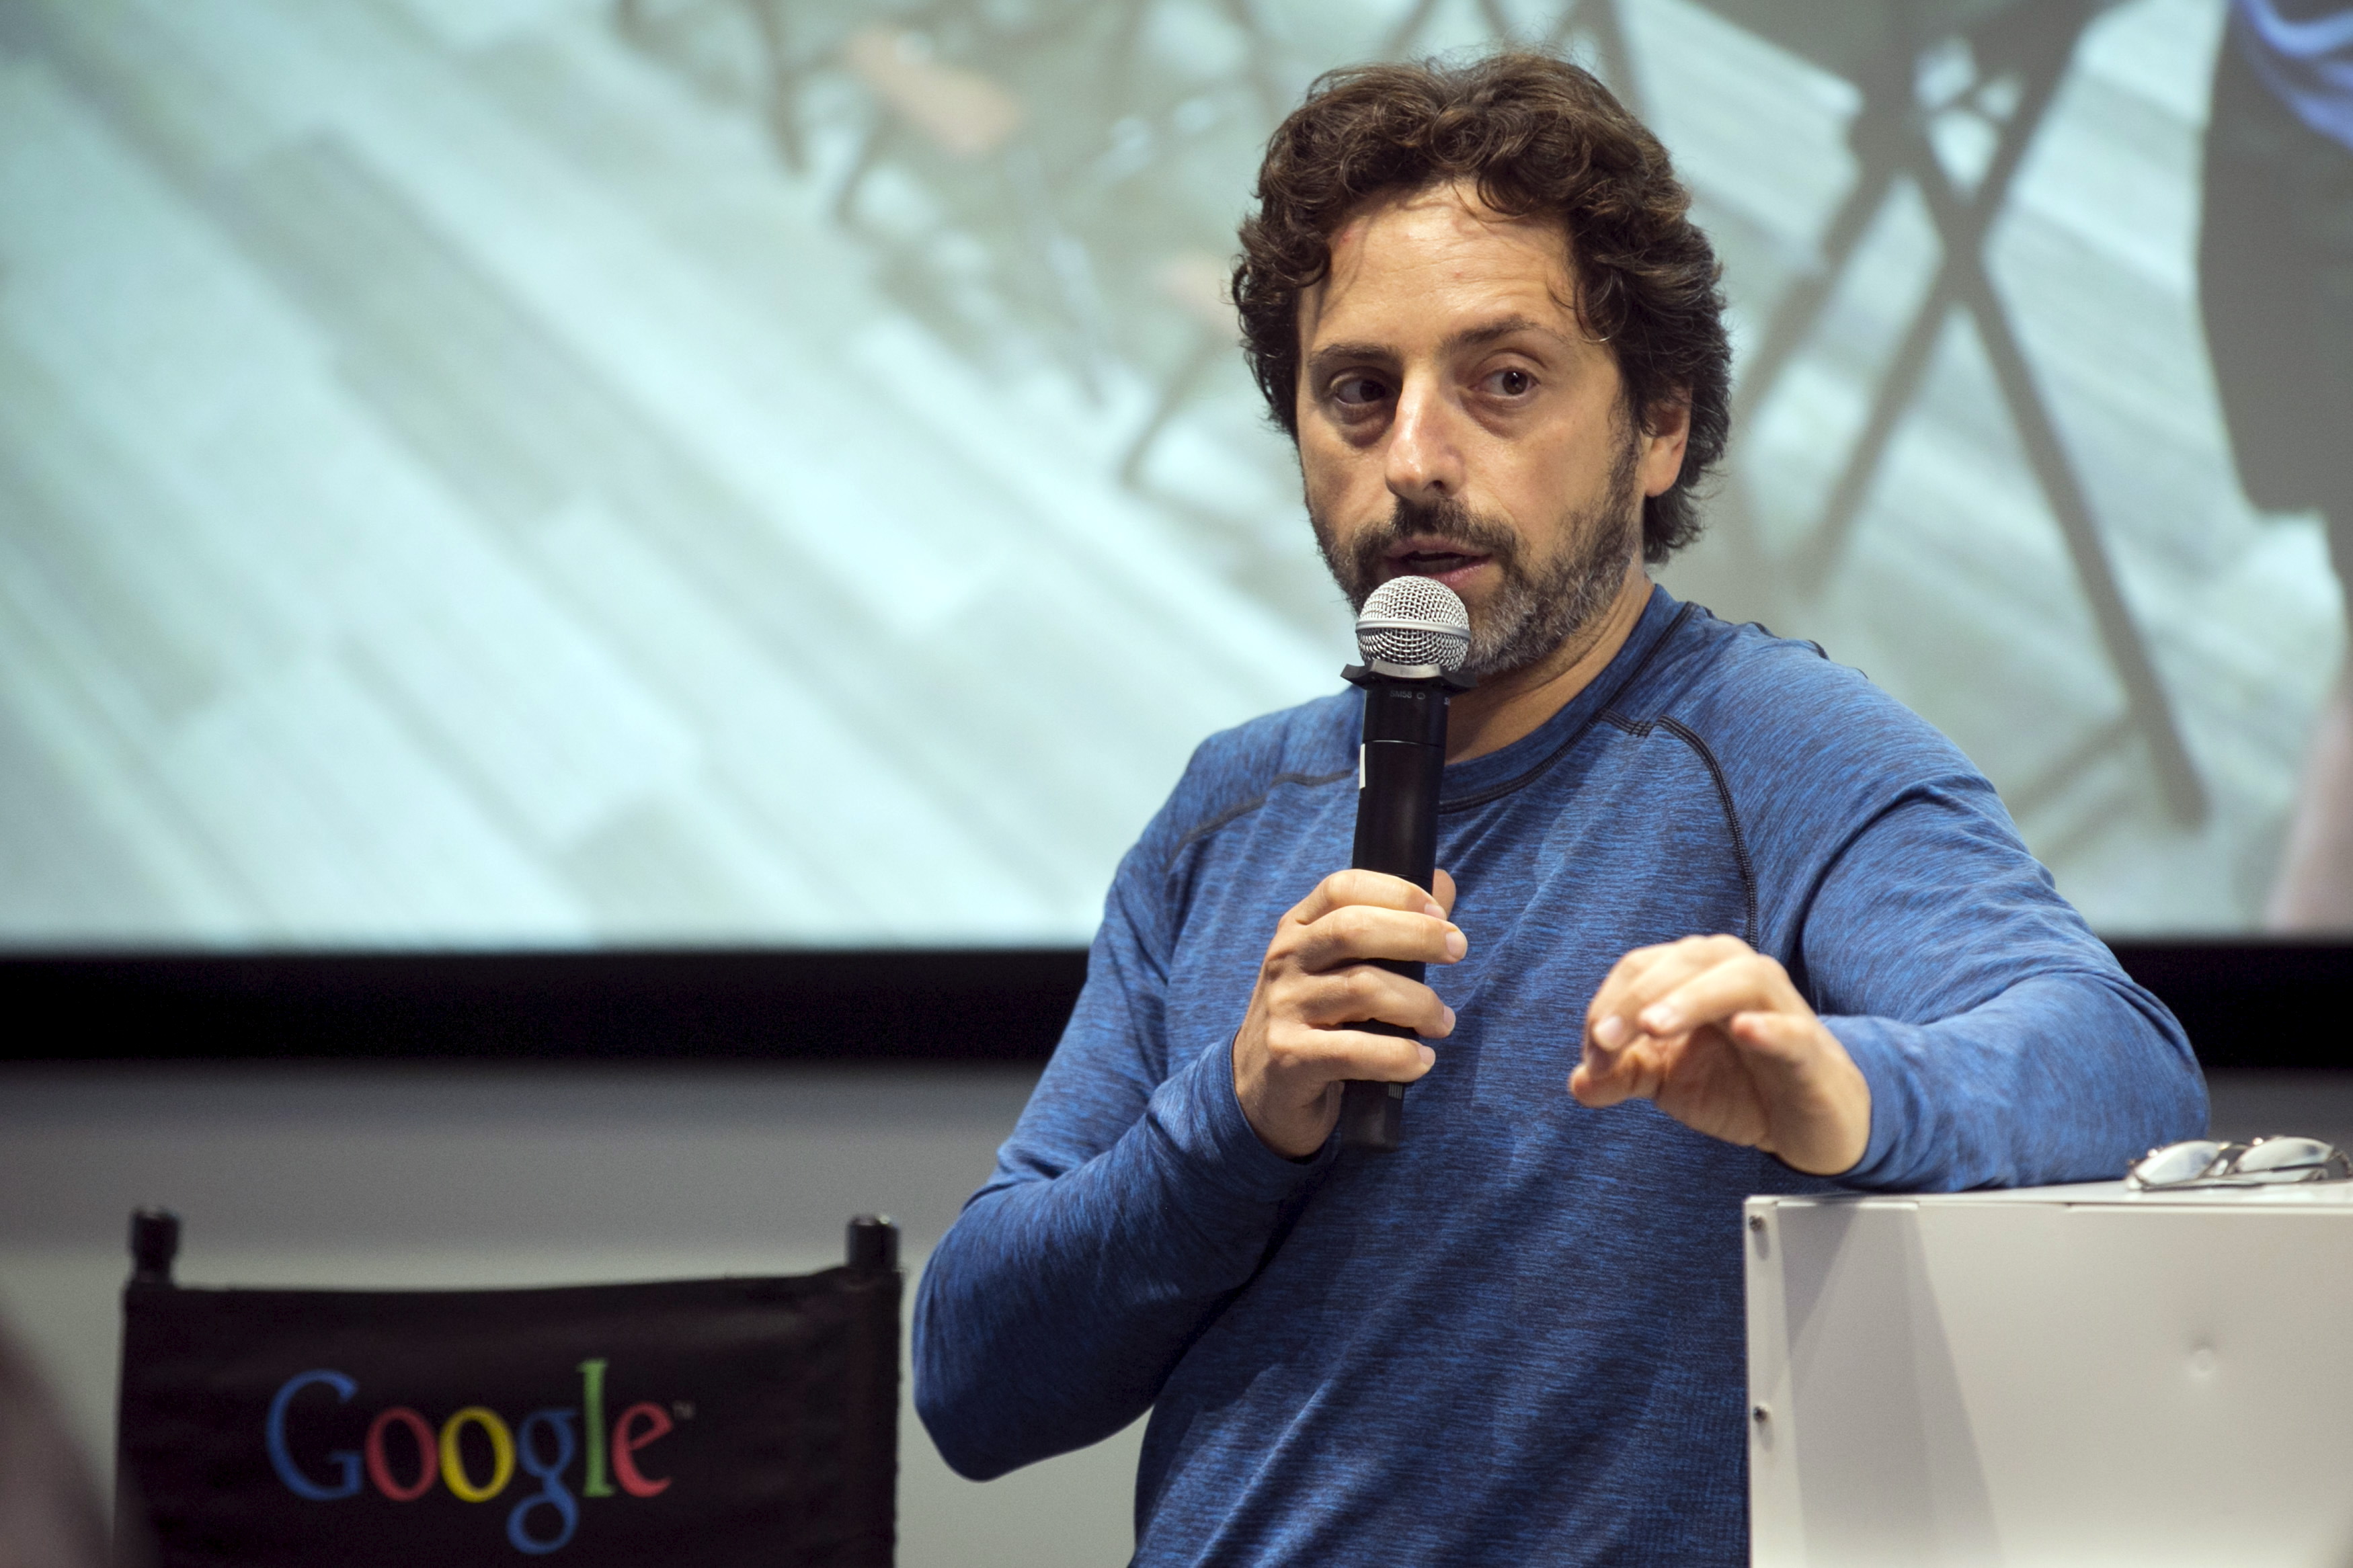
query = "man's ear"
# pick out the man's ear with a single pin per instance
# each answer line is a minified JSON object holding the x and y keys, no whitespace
{"x":1666,"y":432}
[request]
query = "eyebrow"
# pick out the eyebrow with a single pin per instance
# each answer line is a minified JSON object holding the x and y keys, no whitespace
{"x":1494,"y":332}
{"x":1475,"y":337}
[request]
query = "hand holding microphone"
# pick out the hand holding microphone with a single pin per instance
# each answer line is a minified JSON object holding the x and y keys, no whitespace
{"x":1329,"y":1036}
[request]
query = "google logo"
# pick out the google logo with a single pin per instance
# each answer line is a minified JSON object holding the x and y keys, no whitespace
{"x":405,"y":1466}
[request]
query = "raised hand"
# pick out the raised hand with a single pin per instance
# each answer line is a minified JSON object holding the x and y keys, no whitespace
{"x":1299,"y":1042}
{"x":1714,"y":1032}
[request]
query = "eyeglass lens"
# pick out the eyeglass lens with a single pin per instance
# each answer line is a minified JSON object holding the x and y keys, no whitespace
{"x":2281,"y":1154}
{"x":2178,"y":1162}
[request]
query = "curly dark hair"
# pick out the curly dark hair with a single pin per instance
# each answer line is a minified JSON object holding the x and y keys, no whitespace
{"x":1540,"y":137}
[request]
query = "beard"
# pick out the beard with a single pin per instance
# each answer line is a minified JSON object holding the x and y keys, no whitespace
{"x":1538,"y":607}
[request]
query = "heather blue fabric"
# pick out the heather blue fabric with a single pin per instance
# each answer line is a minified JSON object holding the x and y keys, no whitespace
{"x":1518,"y":1340}
{"x":2304,"y":53}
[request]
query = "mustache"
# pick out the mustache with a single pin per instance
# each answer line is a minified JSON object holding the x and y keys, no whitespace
{"x":1446,"y":519}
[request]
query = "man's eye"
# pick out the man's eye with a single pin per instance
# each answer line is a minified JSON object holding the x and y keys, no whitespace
{"x":1511,"y":383}
{"x":1357,"y":390}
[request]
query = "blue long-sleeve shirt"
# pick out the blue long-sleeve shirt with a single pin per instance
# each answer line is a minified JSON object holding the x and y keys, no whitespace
{"x":2302,"y":50}
{"x":1518,"y":1339}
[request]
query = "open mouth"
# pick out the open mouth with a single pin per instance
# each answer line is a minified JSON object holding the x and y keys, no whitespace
{"x":1433,"y":558}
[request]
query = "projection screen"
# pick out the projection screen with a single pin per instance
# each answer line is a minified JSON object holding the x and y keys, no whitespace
{"x":528,"y":473}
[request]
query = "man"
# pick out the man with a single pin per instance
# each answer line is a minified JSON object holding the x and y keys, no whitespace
{"x":1780,"y":931}
{"x":2275,"y":281}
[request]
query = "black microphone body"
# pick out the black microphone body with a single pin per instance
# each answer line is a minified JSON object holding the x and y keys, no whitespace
{"x":1398,"y":772}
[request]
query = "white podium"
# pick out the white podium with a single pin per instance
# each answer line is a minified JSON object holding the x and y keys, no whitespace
{"x":2076,"y":1376}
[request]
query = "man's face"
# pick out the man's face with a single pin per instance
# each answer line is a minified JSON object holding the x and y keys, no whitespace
{"x":1457,"y":421}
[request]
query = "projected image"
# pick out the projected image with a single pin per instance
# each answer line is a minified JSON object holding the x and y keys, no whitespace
{"x":526,"y":472}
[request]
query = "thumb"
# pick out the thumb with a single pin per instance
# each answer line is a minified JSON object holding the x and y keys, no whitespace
{"x":1442,"y":890}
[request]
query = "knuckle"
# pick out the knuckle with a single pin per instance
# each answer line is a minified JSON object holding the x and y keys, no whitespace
{"x":1332,"y":946}
{"x":1318,"y":933}
{"x":1316,"y":1001}
{"x":1323,"y":1002}
{"x":1288,"y":1048}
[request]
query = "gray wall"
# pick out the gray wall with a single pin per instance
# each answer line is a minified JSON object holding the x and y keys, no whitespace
{"x":439,"y":1175}
{"x":393,"y":1176}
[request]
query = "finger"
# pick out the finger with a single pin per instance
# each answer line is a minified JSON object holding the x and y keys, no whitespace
{"x":1645,"y":971}
{"x":1363,"y":994}
{"x":1750,"y":983}
{"x":1314,"y":1057}
{"x":1356,"y":932}
{"x":1606,"y":1077}
{"x":1591,"y":1086}
{"x":1377,"y":889}
{"x":1610,"y":999}
{"x":1647,"y":974}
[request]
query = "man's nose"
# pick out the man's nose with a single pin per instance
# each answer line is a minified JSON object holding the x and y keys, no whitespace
{"x":1424,"y":457}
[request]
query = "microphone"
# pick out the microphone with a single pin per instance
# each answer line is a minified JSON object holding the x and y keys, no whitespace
{"x":1413,"y":634}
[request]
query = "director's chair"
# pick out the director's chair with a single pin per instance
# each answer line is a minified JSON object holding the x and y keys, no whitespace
{"x":691,"y":1423}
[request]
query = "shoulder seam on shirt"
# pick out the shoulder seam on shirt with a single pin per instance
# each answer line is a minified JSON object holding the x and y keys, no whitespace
{"x":1223,"y":817}
{"x":1689,"y":737}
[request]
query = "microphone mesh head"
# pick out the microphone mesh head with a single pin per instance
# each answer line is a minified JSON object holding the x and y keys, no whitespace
{"x":1414,"y":620}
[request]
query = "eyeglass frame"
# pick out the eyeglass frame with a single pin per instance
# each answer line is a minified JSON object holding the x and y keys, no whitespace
{"x":2222,"y":1168}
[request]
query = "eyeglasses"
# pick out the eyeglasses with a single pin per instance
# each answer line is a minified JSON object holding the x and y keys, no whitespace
{"x":2266,"y":1162}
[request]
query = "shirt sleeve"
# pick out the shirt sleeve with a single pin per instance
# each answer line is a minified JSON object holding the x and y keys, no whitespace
{"x":1128,"y":1207}
{"x":2004,"y":1044}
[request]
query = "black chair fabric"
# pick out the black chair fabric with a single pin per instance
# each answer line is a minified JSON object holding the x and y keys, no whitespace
{"x":691,"y":1424}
